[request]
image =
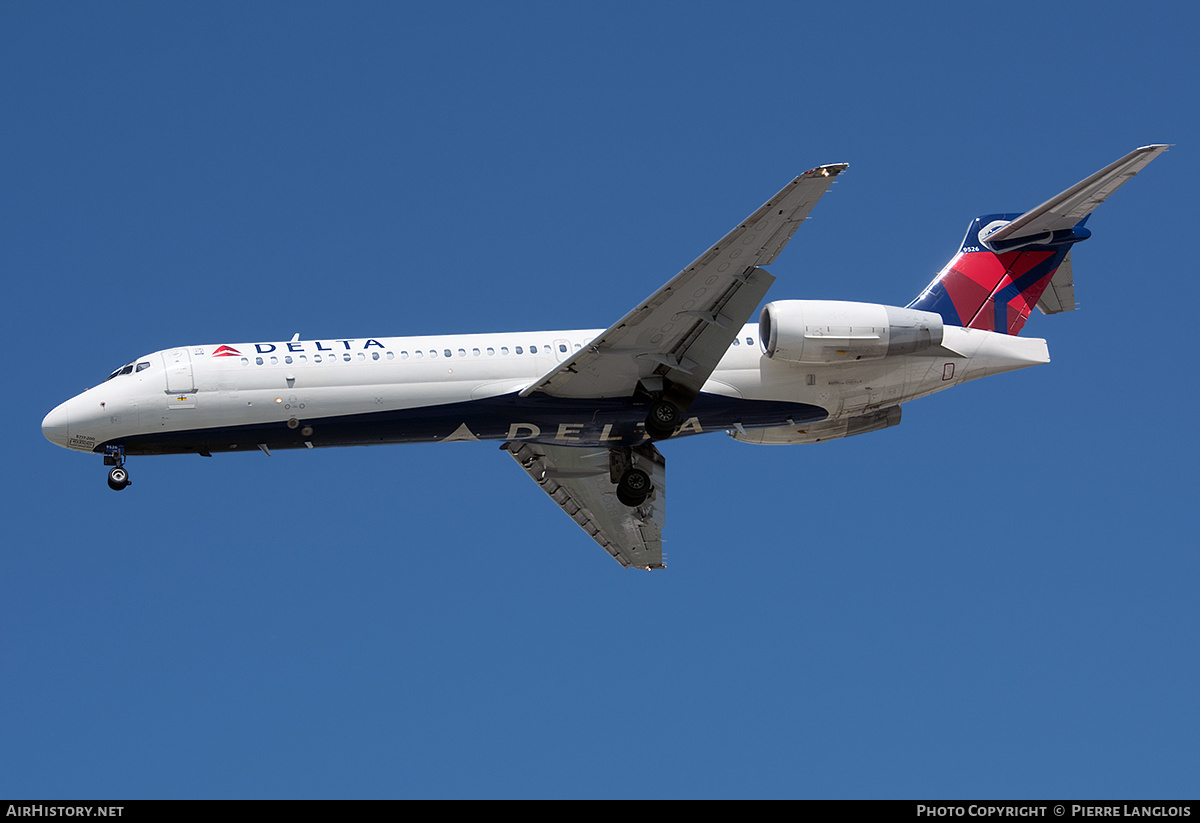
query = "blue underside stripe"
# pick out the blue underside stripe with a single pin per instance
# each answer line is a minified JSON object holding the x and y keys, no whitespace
{"x":588,"y":422}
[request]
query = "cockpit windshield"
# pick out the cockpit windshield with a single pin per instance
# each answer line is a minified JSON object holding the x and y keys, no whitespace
{"x":145,"y":364}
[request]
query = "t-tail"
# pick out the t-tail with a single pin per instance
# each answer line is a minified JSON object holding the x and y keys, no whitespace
{"x":1009,"y":263}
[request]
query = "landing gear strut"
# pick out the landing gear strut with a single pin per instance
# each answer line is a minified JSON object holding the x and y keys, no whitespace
{"x":118,"y":477}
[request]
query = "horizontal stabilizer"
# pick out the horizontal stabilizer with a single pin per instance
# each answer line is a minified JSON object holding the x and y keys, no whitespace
{"x":1065,"y":210}
{"x":1009,"y":263}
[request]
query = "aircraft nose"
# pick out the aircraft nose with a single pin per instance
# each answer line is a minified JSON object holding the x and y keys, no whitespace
{"x":56,"y":426}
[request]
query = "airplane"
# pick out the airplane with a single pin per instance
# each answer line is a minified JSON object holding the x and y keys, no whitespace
{"x":583,"y":411}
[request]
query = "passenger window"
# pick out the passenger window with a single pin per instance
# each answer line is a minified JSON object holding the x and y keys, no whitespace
{"x":287,"y":358}
{"x":475,"y":352}
{"x":433,"y":353}
{"x":346,"y":357}
{"x":375,"y":355}
{"x":518,"y":350}
{"x":316,"y":358}
{"x":462,"y":352}
{"x":361,"y":356}
{"x":504,"y":350}
{"x":418,"y":354}
{"x":303,"y":358}
{"x":258,"y":361}
{"x":391,"y":356}
{"x":562,"y":346}
{"x":491,"y":351}
{"x":749,"y":341}
{"x":533,"y":349}
{"x":245,"y":361}
{"x":737,"y":342}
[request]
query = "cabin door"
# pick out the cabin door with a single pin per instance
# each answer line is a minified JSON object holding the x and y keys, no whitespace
{"x":178,"y":363}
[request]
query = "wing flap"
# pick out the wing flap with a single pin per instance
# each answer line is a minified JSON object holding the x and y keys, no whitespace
{"x":579,"y":480}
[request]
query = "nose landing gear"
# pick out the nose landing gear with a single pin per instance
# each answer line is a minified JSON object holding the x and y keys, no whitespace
{"x":118,"y":477}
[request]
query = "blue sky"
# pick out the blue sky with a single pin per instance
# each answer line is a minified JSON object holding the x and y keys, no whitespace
{"x":995,"y":599}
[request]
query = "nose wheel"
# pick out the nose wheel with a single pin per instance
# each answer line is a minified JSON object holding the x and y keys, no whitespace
{"x":118,"y":476}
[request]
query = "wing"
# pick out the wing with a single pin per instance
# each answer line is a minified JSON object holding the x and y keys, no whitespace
{"x":581,"y":482}
{"x":681,"y":332}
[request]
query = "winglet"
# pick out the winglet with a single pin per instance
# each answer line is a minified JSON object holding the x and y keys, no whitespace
{"x":830,"y":170}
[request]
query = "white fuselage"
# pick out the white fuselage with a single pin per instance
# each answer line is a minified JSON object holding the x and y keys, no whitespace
{"x":355,"y":391}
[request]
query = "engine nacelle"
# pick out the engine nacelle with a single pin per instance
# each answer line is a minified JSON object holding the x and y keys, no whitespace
{"x":836,"y":331}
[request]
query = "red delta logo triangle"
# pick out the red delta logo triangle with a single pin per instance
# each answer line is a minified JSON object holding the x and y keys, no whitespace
{"x":225,"y":351}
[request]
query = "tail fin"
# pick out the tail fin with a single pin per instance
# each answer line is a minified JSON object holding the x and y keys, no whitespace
{"x":1006,"y":261}
{"x":980,"y":289}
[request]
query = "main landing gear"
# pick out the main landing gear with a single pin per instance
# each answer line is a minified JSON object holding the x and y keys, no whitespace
{"x":634,"y":487}
{"x":662,"y":419}
{"x":118,"y":477}
{"x":634,"y":484}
